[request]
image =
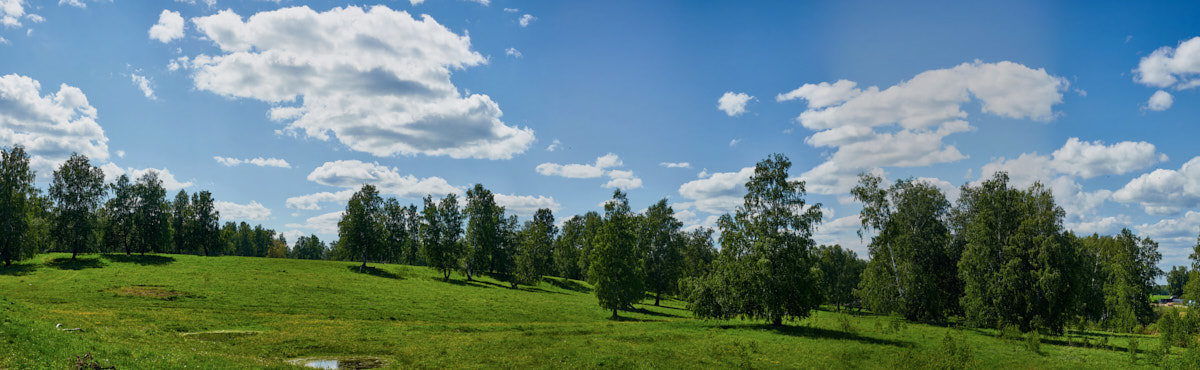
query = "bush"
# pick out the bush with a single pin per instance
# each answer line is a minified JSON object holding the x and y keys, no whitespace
{"x":1033,"y":342}
{"x":1133,"y":350}
{"x":1011,"y":333}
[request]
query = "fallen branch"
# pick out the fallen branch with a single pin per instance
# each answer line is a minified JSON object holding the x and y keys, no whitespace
{"x":60,"y":328}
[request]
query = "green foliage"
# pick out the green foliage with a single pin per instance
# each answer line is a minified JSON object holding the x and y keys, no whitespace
{"x":765,"y":270}
{"x":1018,"y":264}
{"x":1176,"y":280}
{"x":534,"y":256}
{"x":660,"y":239}
{"x":151,"y":227}
{"x":76,"y":190}
{"x":360,"y":229}
{"x":17,"y":206}
{"x":840,"y":273}
{"x":616,"y":270}
{"x":204,"y":233}
{"x":309,"y":248}
{"x":182,"y":221}
{"x":1124,"y":272}
{"x":912,"y":270}
{"x":483,"y":230}
{"x":441,"y":233}
{"x":1033,"y":342}
{"x":568,"y":247}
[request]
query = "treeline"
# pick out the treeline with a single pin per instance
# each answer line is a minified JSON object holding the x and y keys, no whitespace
{"x":997,"y":257}
{"x":79,"y":213}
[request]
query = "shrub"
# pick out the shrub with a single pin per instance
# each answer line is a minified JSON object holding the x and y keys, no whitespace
{"x":1033,"y":342}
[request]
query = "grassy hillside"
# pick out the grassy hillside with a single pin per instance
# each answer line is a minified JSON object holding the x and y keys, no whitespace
{"x":171,"y":311}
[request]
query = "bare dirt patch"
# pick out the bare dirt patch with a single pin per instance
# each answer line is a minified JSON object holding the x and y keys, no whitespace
{"x":148,"y":291}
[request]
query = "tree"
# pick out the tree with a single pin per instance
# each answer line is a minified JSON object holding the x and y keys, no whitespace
{"x":152,"y":228}
{"x":534,"y":257}
{"x":16,"y":205}
{"x":1128,"y":267}
{"x":1176,"y":280}
{"x":181,"y":222}
{"x":567,"y":249}
{"x":204,"y":233}
{"x":660,"y":240}
{"x":278,"y":248}
{"x":483,"y":230}
{"x":765,"y":269}
{"x":913,"y":265}
{"x":1018,"y":264}
{"x":360,"y":229}
{"x":591,"y":227}
{"x":309,"y":248}
{"x":698,"y":254}
{"x":840,"y":274}
{"x":76,"y":191}
{"x":616,"y":270}
{"x":441,"y":233}
{"x":396,"y":232}
{"x":120,"y":216}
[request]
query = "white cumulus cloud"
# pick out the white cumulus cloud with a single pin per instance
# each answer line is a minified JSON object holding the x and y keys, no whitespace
{"x":168,"y":28}
{"x":376,"y":79}
{"x":50,"y":127}
{"x":1164,"y":191}
{"x":258,"y":161}
{"x":733,"y":104}
{"x":904,"y":125}
{"x":250,"y":212}
{"x":1160,"y":101}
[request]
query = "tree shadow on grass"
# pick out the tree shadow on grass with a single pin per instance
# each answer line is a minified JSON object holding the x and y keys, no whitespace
{"x":375,"y":271}
{"x":568,"y":284}
{"x":144,"y":260}
{"x":819,"y":333}
{"x":66,"y":263}
{"x":644,"y":311}
{"x":18,"y":269}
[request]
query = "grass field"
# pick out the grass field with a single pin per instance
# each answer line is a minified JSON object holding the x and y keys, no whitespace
{"x":174,"y":311}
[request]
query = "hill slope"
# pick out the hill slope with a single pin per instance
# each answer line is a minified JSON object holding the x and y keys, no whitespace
{"x":171,"y":311}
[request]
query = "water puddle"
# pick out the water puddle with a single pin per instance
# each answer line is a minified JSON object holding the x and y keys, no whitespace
{"x":339,"y":363}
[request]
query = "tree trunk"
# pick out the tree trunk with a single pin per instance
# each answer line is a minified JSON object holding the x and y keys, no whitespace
{"x":777,"y":321}
{"x":7,"y":262}
{"x":657,"y":295}
{"x":73,"y":253}
{"x":363,"y":266}
{"x":614,"y":316}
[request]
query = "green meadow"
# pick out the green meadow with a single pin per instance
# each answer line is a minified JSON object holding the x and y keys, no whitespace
{"x":176,"y":311}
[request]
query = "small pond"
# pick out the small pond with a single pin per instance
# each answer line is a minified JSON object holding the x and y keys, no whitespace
{"x":339,"y":363}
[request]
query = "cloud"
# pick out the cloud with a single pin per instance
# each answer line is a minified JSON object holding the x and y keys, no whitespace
{"x":526,"y":205}
{"x":553,"y":146}
{"x":323,"y":224}
{"x":622,"y":180}
{"x":233,"y":211}
{"x":78,"y":3}
{"x":50,"y":127}
{"x":734,"y":142}
{"x":168,"y":28}
{"x":580,"y":171}
{"x":113,"y":171}
{"x":353,"y":174}
{"x":823,"y":94}
{"x":904,"y":125}
{"x":313,"y":201}
{"x":1164,"y":191}
{"x":143,"y":83}
{"x":511,"y":10}
{"x":208,"y":3}
{"x":526,"y":19}
{"x":375,"y":79}
{"x":11,"y":12}
{"x":513,"y":52}
{"x":1160,"y":101}
{"x":1091,"y":159}
{"x":1169,"y":67}
{"x":259,"y":161}
{"x":1099,"y":225}
{"x":719,"y":193}
{"x":733,"y":104}
{"x":676,"y":164}
{"x":952,"y":192}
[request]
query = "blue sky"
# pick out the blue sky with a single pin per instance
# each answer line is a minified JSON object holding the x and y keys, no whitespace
{"x":1097,"y":102}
